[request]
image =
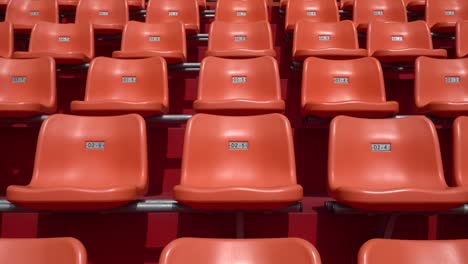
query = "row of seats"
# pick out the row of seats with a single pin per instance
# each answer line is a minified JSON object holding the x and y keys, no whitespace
{"x":246,"y":251}
{"x":387,"y":41}
{"x":105,"y":16}
{"x":248,"y":164}
{"x":441,"y":16}
{"x":234,"y":87}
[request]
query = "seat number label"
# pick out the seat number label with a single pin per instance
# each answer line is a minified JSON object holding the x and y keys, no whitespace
{"x":397,"y":38}
{"x":173,"y":13}
{"x":378,"y":12}
{"x":452,"y":79}
{"x":240,"y":38}
{"x":324,"y":37}
{"x":18,"y":79}
{"x":239,"y":79}
{"x":241,"y":13}
{"x":64,"y":39}
{"x":449,"y":12}
{"x":103,"y":13}
{"x":154,"y":38}
{"x":34,"y":13}
{"x":129,"y":79}
{"x":311,"y":13}
{"x":238,"y":145}
{"x":381,"y":147}
{"x":340,"y":80}
{"x":94,"y":145}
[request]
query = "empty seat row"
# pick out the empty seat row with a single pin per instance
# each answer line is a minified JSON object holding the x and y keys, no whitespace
{"x":235,"y":87}
{"x":441,"y":16}
{"x":74,"y":43}
{"x":213,"y":251}
{"x":373,"y":164}
{"x":105,"y":16}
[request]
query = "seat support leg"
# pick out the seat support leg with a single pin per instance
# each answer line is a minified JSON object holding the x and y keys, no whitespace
{"x":240,"y":225}
{"x":387,"y":225}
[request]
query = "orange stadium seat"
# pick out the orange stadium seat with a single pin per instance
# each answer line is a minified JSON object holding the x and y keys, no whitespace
{"x":401,"y":42}
{"x":389,"y":165}
{"x":387,"y":251}
{"x":240,"y":40}
{"x":7,"y":40}
{"x":441,"y":87}
{"x":42,"y":251}
{"x":134,"y":4}
{"x":241,"y":10}
{"x":368,"y":11}
{"x":25,"y":14}
{"x":442,"y":16}
{"x":116,"y":86}
{"x":185,"y":11}
{"x":27,"y":87}
{"x":107,"y":17}
{"x":410,"y":4}
{"x":236,"y":87}
{"x":66,"y":43}
{"x":313,"y":10}
{"x":346,"y":87}
{"x":103,"y":164}
{"x":261,"y":251}
{"x":460,"y":151}
{"x":248,"y":163}
{"x":143,"y":40}
{"x":333,"y":40}
{"x":461,"y":39}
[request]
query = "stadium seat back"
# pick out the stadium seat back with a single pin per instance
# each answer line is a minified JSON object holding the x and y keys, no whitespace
{"x":29,"y":81}
{"x":247,"y":79}
{"x":26,"y":13}
{"x":128,"y":80}
{"x":367,"y":11}
{"x":342,"y":80}
{"x":385,"y":251}
{"x":313,"y":10}
{"x":384,"y":154}
{"x":7,"y":43}
{"x":441,"y":80}
{"x":460,"y":153}
{"x":461,"y":39}
{"x":261,"y":251}
{"x":185,"y":11}
{"x":241,"y":10}
{"x":445,"y":14}
{"x":42,"y":251}
{"x":103,"y":15}
{"x":240,"y":40}
{"x":398,"y":36}
{"x":62,"y":38}
{"x":91,"y":152}
{"x":162,"y":39}
{"x":238,"y":151}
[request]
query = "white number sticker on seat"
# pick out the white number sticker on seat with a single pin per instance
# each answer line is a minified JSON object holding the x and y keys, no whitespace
{"x":397,"y":38}
{"x":64,"y":39}
{"x":241,"y":13}
{"x":240,"y":38}
{"x":173,"y":13}
{"x":129,"y":79}
{"x":311,"y":13}
{"x":103,"y":13}
{"x":340,"y":80}
{"x":381,"y":147}
{"x":239,"y":79}
{"x":34,"y":13}
{"x":324,"y":37}
{"x":18,"y":79}
{"x":238,"y":145}
{"x":449,"y":12}
{"x":94,"y":145}
{"x":154,"y":38}
{"x":452,"y":79}
{"x":378,"y":12}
